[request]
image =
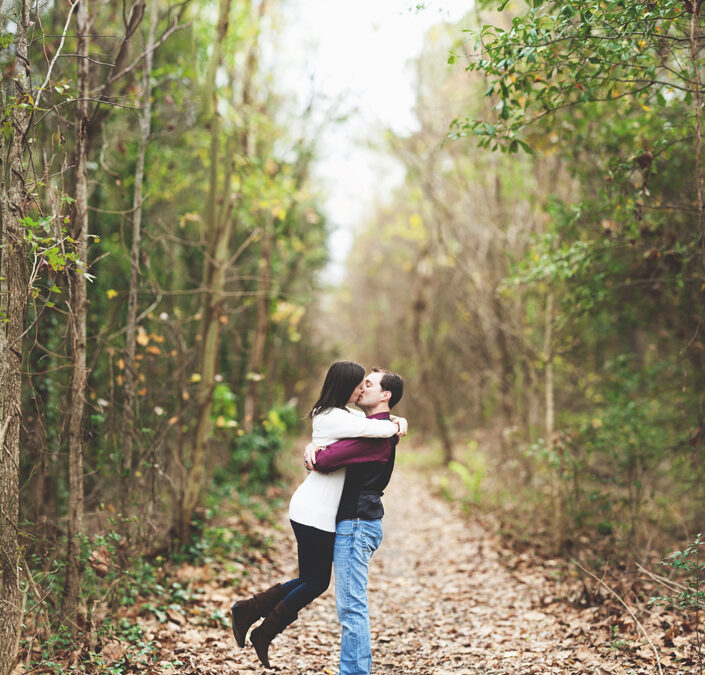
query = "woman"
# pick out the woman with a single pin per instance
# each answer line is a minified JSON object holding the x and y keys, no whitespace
{"x":312,"y":512}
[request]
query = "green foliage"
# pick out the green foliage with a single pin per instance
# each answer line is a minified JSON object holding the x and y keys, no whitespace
{"x":224,"y":411}
{"x":251,"y":459}
{"x":221,"y":543}
{"x":689,"y":564}
{"x":617,"y":642}
{"x":51,"y":249}
{"x":139,"y":650}
{"x":602,"y":92}
{"x":472,"y":479}
{"x":609,"y":454}
{"x":566,"y":54}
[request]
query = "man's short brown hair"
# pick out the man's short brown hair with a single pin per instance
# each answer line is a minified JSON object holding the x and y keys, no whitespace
{"x":392,"y":383}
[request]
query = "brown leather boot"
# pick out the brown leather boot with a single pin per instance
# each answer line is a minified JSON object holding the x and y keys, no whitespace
{"x":245,"y":612}
{"x":275,"y":622}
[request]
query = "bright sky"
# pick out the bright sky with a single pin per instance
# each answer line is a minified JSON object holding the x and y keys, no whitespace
{"x":357,"y":52}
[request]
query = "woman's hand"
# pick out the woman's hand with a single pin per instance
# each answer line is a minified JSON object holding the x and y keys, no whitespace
{"x":402,"y":424}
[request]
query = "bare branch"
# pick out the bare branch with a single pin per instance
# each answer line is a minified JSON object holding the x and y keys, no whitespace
{"x":624,"y":604}
{"x":74,"y":4}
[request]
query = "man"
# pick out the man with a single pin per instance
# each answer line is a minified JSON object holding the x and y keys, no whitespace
{"x":359,"y":520}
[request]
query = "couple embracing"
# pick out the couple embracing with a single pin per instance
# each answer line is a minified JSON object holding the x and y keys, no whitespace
{"x":336,"y":513}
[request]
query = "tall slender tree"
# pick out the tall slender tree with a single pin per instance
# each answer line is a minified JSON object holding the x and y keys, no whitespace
{"x":13,"y":296}
{"x":219,"y":224}
{"x":78,"y":307}
{"x":131,"y":323}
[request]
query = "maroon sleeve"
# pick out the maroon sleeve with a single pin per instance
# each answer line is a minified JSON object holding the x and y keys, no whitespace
{"x":353,"y":451}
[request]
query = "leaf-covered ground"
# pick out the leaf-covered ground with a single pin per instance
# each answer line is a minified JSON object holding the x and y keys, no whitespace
{"x":446,"y":596}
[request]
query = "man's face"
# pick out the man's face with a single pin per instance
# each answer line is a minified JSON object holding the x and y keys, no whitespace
{"x":372,"y":393}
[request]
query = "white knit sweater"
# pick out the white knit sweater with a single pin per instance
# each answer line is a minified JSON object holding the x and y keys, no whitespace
{"x":316,"y":500}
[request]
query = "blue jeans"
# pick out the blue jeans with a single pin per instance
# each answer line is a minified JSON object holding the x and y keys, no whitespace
{"x":355,"y":542}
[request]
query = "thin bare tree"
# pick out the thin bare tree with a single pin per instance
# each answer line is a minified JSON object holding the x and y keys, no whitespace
{"x":131,"y":324}
{"x":78,"y":307}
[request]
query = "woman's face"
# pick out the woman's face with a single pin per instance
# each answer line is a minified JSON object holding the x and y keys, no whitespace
{"x":356,"y":393}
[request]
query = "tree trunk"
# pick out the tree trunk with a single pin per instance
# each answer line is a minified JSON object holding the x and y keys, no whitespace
{"x":443,"y":430}
{"x":560,"y":521}
{"x":548,"y":358}
{"x":130,"y":412}
{"x":251,"y":409}
{"x":218,"y":241}
{"x":212,"y":310}
{"x":425,"y":362}
{"x":697,"y":99}
{"x":505,"y":361}
{"x":13,"y":294}
{"x":78,"y":310}
{"x":212,"y":119}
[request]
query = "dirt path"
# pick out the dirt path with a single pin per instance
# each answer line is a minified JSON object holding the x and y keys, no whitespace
{"x":441,"y":601}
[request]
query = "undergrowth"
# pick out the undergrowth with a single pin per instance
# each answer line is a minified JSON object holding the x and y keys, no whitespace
{"x":115,"y":591}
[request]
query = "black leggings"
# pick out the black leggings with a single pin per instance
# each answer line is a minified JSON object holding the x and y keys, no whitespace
{"x":315,"y":563}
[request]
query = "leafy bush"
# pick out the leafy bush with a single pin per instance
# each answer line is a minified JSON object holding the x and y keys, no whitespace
{"x":251,"y":456}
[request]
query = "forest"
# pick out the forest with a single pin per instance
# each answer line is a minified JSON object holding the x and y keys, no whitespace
{"x":167,"y":315}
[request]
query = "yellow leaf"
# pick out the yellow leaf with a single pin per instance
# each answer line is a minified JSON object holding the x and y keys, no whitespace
{"x":173,"y":420}
{"x":195,"y":377}
{"x":111,"y":293}
{"x":153,"y":349}
{"x":220,"y":422}
{"x":142,"y":337}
